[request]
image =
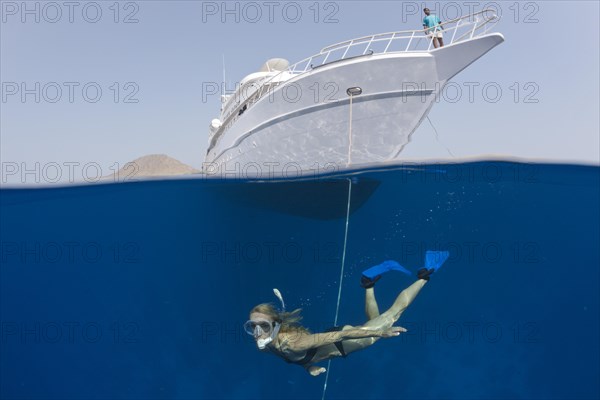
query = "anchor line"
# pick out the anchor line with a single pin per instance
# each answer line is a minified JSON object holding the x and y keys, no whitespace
{"x":337,"y":308}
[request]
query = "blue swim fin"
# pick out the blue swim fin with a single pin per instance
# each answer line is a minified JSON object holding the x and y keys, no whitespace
{"x":435,"y":259}
{"x":383,"y":268}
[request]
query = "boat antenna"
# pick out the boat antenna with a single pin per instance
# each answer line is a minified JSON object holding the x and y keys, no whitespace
{"x":223,"y":85}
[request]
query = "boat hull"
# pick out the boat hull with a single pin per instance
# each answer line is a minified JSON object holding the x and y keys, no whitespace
{"x":312,"y":125}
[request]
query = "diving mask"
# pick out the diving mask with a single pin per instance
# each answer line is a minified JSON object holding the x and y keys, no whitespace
{"x":259,"y":327}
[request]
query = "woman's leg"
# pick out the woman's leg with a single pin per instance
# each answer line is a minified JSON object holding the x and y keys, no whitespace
{"x":385,"y":320}
{"x":371,"y":307}
{"x":388,"y":318}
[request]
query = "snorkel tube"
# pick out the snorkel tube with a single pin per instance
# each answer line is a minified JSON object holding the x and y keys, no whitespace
{"x":280,"y":297}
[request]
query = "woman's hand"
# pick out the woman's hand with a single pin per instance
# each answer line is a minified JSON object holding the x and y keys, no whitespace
{"x":393,"y":331}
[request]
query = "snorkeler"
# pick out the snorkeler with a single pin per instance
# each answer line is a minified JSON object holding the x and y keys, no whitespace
{"x":280,"y":333}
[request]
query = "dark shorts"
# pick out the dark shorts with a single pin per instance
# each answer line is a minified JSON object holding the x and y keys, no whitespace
{"x":339,"y":345}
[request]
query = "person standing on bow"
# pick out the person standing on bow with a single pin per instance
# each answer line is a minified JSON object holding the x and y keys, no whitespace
{"x":433,"y":27}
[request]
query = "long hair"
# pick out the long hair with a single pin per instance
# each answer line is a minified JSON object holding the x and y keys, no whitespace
{"x":290,"y":321}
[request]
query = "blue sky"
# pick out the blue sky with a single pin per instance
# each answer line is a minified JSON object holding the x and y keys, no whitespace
{"x":154,"y":60}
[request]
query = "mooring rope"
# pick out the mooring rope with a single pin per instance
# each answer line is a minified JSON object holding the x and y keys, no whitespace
{"x":437,"y":137}
{"x":337,"y":308}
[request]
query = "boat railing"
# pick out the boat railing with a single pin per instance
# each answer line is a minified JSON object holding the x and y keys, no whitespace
{"x":418,"y":40}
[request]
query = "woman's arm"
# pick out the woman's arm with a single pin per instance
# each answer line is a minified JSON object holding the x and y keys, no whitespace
{"x":303,"y":341}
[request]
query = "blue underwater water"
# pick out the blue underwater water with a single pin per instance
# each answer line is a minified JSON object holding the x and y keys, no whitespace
{"x":139,"y":290}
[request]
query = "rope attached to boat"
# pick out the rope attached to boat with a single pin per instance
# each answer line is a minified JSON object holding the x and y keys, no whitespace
{"x":437,"y":137}
{"x":350,"y":135}
{"x":337,"y":308}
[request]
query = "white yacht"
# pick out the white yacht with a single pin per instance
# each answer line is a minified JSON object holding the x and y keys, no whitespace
{"x":353,"y":104}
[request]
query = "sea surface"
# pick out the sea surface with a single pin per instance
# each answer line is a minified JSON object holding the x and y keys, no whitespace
{"x":139,"y":290}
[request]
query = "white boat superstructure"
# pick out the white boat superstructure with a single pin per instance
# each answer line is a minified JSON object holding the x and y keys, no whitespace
{"x":354,"y":103}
